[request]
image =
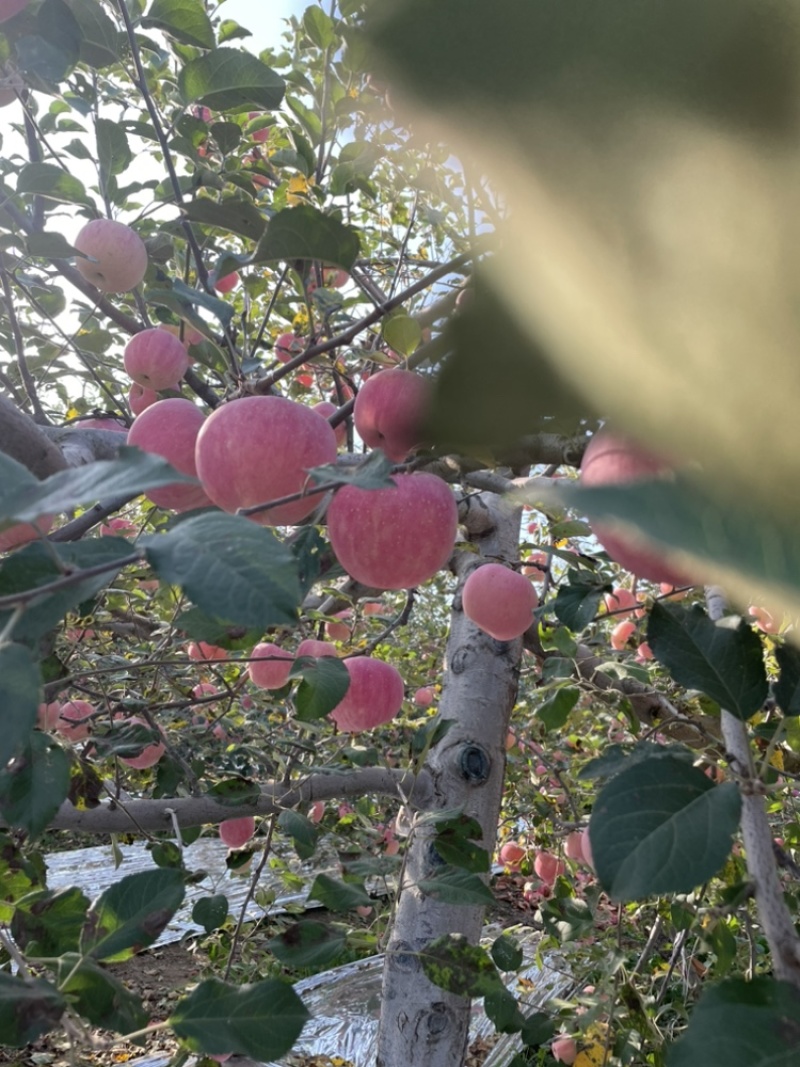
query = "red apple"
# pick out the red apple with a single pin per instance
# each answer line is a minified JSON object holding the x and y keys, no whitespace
{"x":261,"y":135}
{"x":235,"y":833}
{"x":288,"y":346}
{"x":389,"y":412}
{"x":150,"y":754}
{"x":511,"y":855}
{"x":260,"y":448}
{"x":270,"y":666}
{"x":613,"y":460}
{"x":155,"y":358}
{"x":374,"y":697}
{"x":201,"y":650}
{"x":425,"y":696}
{"x":23,"y":532}
{"x":170,"y":429}
{"x":326,"y":409}
{"x":224,"y":285}
{"x":316,"y":649}
{"x":548,"y":867}
{"x":119,"y":257}
{"x":71,"y":722}
{"x":47,"y":715}
{"x":499,"y":601}
{"x":394,"y":538}
{"x":140,"y":398}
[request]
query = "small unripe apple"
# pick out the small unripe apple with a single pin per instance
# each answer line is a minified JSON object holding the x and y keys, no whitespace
{"x":425,"y":696}
{"x":565,"y":1050}
{"x":119,"y":256}
{"x":71,"y":722}
{"x":270,"y":666}
{"x":170,"y":429}
{"x":374,"y":697}
{"x":390,"y":410}
{"x":150,"y":754}
{"x":614,"y":460}
{"x":316,"y":649}
{"x":394,"y":538}
{"x":260,"y":448}
{"x":155,"y":358}
{"x":499,"y":601}
{"x":511,"y":855}
{"x":140,"y":397}
{"x":201,"y":650}
{"x":548,"y":867}
{"x":235,"y":833}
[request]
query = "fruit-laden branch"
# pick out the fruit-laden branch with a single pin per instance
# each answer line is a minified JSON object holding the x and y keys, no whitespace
{"x":128,"y":816}
{"x":762,"y":867}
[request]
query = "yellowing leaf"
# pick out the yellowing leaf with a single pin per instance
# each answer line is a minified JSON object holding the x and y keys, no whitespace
{"x":591,"y":1055}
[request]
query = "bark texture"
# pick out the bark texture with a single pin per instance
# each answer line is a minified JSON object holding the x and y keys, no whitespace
{"x":421,"y":1023}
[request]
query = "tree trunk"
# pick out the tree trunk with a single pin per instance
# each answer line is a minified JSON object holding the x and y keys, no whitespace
{"x":421,"y":1023}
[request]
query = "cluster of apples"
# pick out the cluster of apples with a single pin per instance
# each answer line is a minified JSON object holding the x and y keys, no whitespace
{"x":73,"y":720}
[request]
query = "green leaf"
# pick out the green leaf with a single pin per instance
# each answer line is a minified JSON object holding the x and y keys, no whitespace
{"x":567,"y":919}
{"x":185,"y":21}
{"x":660,"y":826}
{"x":34,"y":785}
{"x":235,"y":791}
{"x":20,"y":691}
{"x":722,"y":659}
{"x":131,"y":915}
{"x":787,"y":688}
{"x":307,"y":944}
{"x":50,"y":181}
{"x":556,"y":709}
{"x":466,"y":970}
{"x":338,"y":896}
{"x":506,"y":953}
{"x":100,"y":39}
{"x":303,"y":232}
{"x":183,"y":299}
{"x":211,"y":912}
{"x":228,"y":136}
{"x":241,"y":217}
{"x":27,"y":1009}
{"x":19,"y":875}
{"x":113,"y":151}
{"x":49,"y":246}
{"x":373,"y":472}
{"x":230,"y":567}
{"x":319,"y":26}
{"x":229,"y":80}
{"x":302,"y":831}
{"x":452,"y":886}
{"x":576,"y":604}
{"x":99,"y":996}
{"x":262,"y":1021}
{"x":325,"y":680}
{"x":455,"y":841}
{"x":48,"y":923}
{"x":742,"y":1024}
{"x":402,"y":332}
{"x":503,"y":1010}
{"x":538,"y":1029}
{"x":616,"y":758}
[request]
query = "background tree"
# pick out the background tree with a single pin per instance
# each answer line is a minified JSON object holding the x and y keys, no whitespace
{"x":216,"y":242}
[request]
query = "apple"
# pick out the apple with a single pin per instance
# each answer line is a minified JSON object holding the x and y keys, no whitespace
{"x":511,"y":855}
{"x":224,"y":285}
{"x":71,"y":722}
{"x":269,"y":666}
{"x":20,"y":533}
{"x":573,"y":846}
{"x":586,"y":848}
{"x":155,"y":358}
{"x":339,"y":630}
{"x":202,"y":113}
{"x":119,"y":256}
{"x":204,"y":689}
{"x":614,"y":460}
{"x":621,"y":633}
{"x":564,"y":1050}
{"x":259,"y":448}
{"x":261,"y":135}
{"x":394,"y":538}
{"x":140,"y":397}
{"x":9,"y":8}
{"x":499,"y":601}
{"x":374,"y":697}
{"x":150,"y":754}
{"x":201,"y":650}
{"x":317,"y":812}
{"x":548,"y":867}
{"x":764,"y":619}
{"x":326,"y":409}
{"x":287,"y":346}
{"x":375,"y":607}
{"x":170,"y":429}
{"x":47,"y":715}
{"x":621,"y":602}
{"x":235,"y":833}
{"x":425,"y":696}
{"x":118,"y":527}
{"x":389,"y":412}
{"x":643,"y":652}
{"x":315,"y":649}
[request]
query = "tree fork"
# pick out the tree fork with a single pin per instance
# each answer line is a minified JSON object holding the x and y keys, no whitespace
{"x":421,"y":1023}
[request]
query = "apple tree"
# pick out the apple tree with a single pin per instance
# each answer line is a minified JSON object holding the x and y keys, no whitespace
{"x":292,"y":402}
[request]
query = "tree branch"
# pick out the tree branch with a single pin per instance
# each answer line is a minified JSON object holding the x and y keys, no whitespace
{"x":27,"y":443}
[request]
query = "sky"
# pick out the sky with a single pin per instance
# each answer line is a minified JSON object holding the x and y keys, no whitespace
{"x":263,"y":18}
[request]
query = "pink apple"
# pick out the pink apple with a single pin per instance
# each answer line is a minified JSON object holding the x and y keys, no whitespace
{"x":150,"y":754}
{"x":72,"y":723}
{"x":425,"y":696}
{"x":614,"y":460}
{"x":204,"y":689}
{"x":375,"y":607}
{"x":139,"y":398}
{"x":202,"y":113}
{"x":548,"y":867}
{"x":317,"y":811}
{"x":47,"y":715}
{"x":390,"y":411}
{"x":621,"y":634}
{"x":170,"y":429}
{"x":764,"y":620}
{"x":23,"y":532}
{"x":224,"y":285}
{"x":511,"y":855}
{"x":339,"y":630}
{"x":499,"y":601}
{"x":374,"y":697}
{"x":564,"y":1050}
{"x":394,"y":538}
{"x":619,"y":601}
{"x":119,"y":256}
{"x":270,"y":666}
{"x":155,"y":358}
{"x":316,"y":649}
{"x":235,"y":833}
{"x":260,"y":448}
{"x":573,"y":846}
{"x":644,"y":652}
{"x":288,"y":346}
{"x":586,"y":848}
{"x":201,"y":650}
{"x":326,"y":409}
